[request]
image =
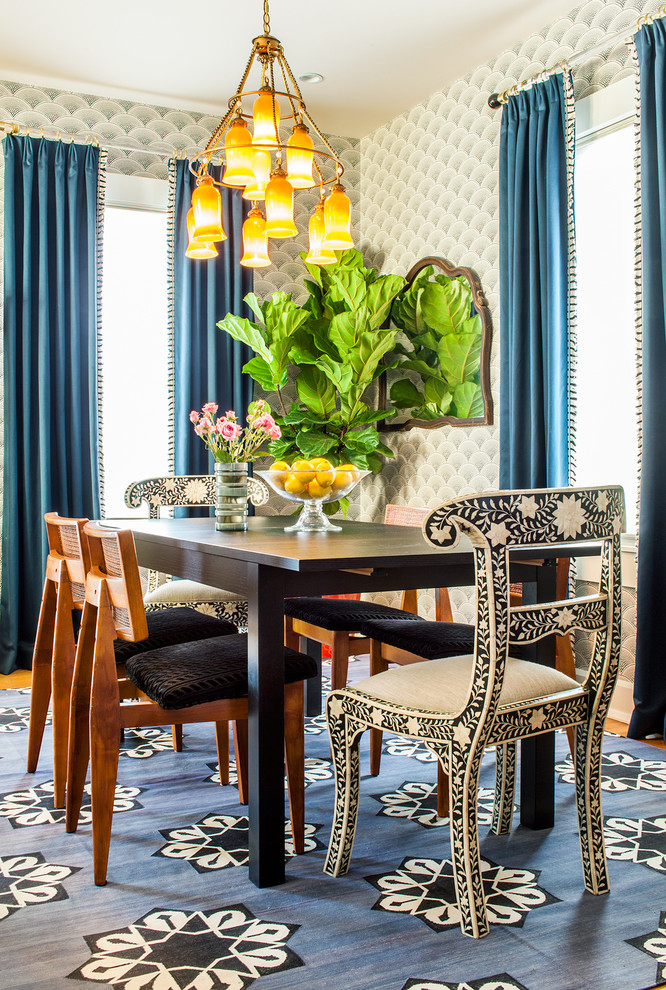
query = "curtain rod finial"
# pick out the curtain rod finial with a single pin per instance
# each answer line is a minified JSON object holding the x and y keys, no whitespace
{"x":494,"y":101}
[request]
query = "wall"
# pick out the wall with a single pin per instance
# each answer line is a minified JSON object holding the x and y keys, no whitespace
{"x":430,"y":186}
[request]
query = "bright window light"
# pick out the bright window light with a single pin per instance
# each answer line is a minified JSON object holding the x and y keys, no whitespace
{"x":134,"y":352}
{"x":606,"y":424}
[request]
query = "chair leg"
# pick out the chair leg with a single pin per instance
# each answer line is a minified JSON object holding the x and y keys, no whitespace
{"x":339,"y":660}
{"x":377,"y":665}
{"x":588,"y":805}
{"x":442,"y":791}
{"x":79,"y":715}
{"x":222,"y":743}
{"x":240,"y":749}
{"x":464,"y":832}
{"x":294,"y":749}
{"x":345,"y":739}
{"x":177,"y":738}
{"x":42,"y":657}
{"x":505,"y":788}
{"x":64,"y":652}
{"x":105,"y":726}
{"x":291,"y":639}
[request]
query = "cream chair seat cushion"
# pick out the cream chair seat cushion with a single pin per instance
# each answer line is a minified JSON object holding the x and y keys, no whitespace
{"x":443,"y":685}
{"x":189,"y":591}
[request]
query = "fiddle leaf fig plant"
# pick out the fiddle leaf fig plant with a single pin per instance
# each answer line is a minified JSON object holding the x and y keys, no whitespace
{"x":333,"y":348}
{"x":443,"y":347}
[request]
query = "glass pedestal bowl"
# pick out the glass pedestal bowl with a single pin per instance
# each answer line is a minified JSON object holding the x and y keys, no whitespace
{"x":313,"y":489}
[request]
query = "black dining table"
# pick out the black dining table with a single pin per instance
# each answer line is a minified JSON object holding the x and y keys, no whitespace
{"x":267,"y":565}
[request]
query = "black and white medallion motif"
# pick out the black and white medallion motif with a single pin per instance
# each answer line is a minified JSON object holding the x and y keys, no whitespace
{"x":315,"y":726}
{"x":140,"y":744}
{"x":315,"y":770}
{"x":26,"y":879}
{"x":15,"y":719}
{"x":654,"y":944}
{"x":500,"y":982}
{"x":424,"y":888}
{"x":34,"y":806}
{"x":169,"y":949}
{"x":622,"y":772}
{"x":219,"y":841}
{"x":637,"y":840}
{"x":417,"y":801}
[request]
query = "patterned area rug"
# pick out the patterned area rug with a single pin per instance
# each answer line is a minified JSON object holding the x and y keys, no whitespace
{"x":179,"y":913}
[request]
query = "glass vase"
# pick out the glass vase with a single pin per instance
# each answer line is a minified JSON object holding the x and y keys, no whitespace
{"x":230,"y":496}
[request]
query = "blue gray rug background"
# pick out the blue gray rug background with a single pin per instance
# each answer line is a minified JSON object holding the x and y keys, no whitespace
{"x":179,"y":912}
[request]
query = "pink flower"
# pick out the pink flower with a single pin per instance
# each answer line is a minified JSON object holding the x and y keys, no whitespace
{"x":194,"y":416}
{"x":275,"y":432}
{"x":198,"y":430}
{"x":229,"y":414}
{"x":230,"y":431}
{"x":210,"y":408}
{"x":205,"y":423}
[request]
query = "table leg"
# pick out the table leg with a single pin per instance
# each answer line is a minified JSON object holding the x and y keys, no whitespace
{"x":313,"y":684}
{"x":537,"y":754}
{"x":266,"y":725}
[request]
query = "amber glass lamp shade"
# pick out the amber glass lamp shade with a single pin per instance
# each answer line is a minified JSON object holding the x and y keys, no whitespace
{"x":266,"y":117}
{"x":255,"y":244}
{"x":337,"y":220}
{"x":238,"y":154}
{"x":197,"y":249}
{"x":207,"y":210}
{"x":318,"y":255}
{"x":280,"y":206}
{"x":261,"y":173}
{"x":299,"y":158}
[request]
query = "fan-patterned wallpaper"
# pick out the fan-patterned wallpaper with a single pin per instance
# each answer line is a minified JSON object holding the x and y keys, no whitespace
{"x":430,"y":185}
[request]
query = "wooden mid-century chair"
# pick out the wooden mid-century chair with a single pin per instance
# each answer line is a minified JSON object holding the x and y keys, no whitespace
{"x":203,"y":681}
{"x":461,"y":705}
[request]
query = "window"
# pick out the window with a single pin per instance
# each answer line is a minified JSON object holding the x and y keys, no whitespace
{"x":606,"y":421}
{"x":134,"y":337}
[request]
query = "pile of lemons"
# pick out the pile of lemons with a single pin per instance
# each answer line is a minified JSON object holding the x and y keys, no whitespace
{"x":315,"y":479}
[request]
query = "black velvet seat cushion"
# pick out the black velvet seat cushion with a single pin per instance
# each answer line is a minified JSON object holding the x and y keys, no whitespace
{"x":210,"y":670}
{"x":430,"y":640}
{"x":341,"y":614}
{"x":169,"y":626}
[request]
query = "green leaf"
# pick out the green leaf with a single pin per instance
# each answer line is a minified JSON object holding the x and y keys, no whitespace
{"x":405,"y":395}
{"x":257,"y":368}
{"x":446,"y":304}
{"x":438,"y":396}
{"x":313,"y":443}
{"x":468,"y":400}
{"x":460,"y":357}
{"x":315,"y":391}
{"x":283,"y":449}
{"x":249,"y":333}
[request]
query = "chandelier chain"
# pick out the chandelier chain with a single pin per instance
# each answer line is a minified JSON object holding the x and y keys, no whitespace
{"x":267,"y":19}
{"x":295,"y":110}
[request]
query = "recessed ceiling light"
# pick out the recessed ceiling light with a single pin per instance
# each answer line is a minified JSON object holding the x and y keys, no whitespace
{"x":311,"y":77}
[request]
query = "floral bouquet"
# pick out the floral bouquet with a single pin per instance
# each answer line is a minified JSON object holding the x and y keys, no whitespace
{"x":228,"y":442}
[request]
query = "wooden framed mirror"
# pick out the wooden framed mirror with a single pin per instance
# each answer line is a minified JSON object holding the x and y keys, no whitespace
{"x":442,"y":372}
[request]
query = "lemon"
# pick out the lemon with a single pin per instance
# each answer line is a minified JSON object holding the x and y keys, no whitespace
{"x":325,"y":477}
{"x":321,"y":464}
{"x":342,"y":479}
{"x":279,"y":466}
{"x":317,"y":490}
{"x":295,"y":484}
{"x":304,"y":466}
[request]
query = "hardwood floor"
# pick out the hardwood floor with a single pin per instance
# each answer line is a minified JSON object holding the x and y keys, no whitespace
{"x":17,"y":679}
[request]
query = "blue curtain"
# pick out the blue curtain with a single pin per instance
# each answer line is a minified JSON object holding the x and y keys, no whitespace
{"x":50,"y":366}
{"x":650,"y":678}
{"x":207,"y":362}
{"x":534,"y":406}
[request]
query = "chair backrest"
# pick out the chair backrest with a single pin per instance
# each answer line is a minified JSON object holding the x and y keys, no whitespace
{"x":182,"y":490}
{"x":68,"y":547}
{"x":499,"y":522}
{"x":114,"y":571}
{"x":414,"y":515}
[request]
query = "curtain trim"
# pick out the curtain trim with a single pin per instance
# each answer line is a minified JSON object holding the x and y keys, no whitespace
{"x":171,"y":321}
{"x":638,"y":274}
{"x":101,"y":195}
{"x":572,"y":294}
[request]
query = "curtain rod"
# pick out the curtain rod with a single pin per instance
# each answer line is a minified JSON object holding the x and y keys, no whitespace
{"x":14,"y":127}
{"x":496,"y":100}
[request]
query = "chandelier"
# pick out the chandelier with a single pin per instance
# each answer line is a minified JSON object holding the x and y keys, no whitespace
{"x":268,"y":168}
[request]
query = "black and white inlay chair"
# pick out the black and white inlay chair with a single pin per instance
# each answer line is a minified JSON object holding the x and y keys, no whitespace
{"x":191,"y":491}
{"x":459,"y":706}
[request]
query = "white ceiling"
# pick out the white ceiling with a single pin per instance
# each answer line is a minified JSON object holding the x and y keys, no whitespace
{"x":378,"y":57}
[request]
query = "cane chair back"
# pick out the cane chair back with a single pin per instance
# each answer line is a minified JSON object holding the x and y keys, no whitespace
{"x":460,"y":705}
{"x":67,"y":564}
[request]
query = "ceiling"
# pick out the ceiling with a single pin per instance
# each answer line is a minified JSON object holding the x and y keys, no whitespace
{"x":378,"y":57}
